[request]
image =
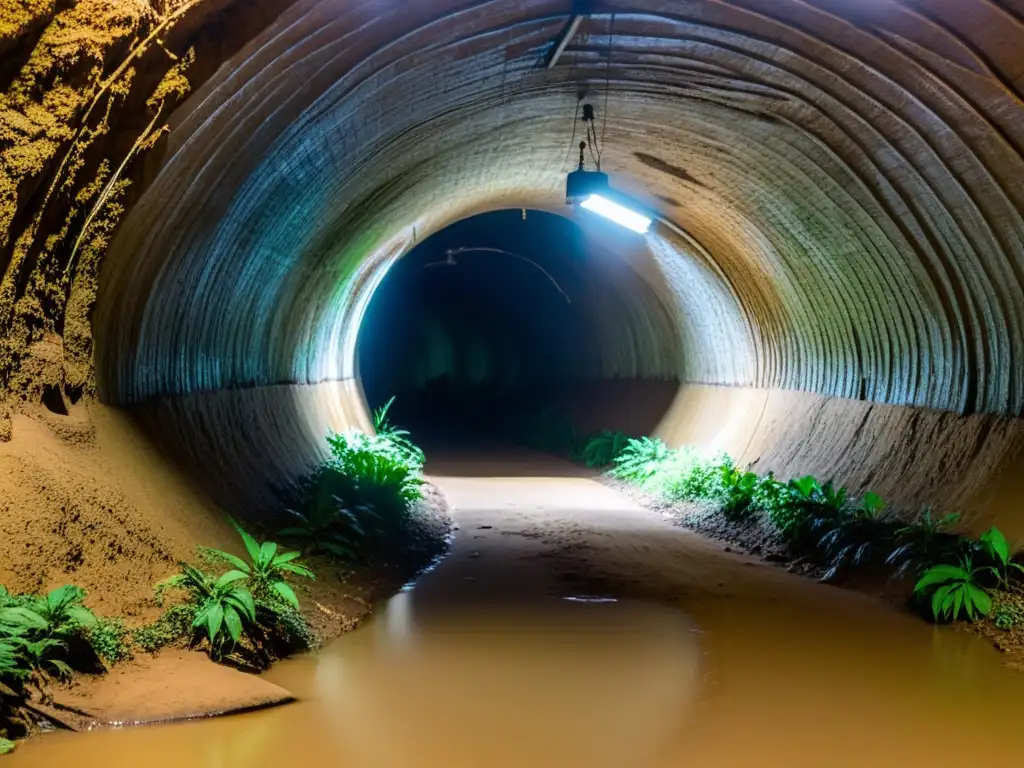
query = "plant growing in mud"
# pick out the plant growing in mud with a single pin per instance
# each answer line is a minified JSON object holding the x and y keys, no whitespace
{"x":994,"y":544}
{"x":224,"y":608}
{"x":855,"y":537}
{"x":49,"y":632}
{"x":925,"y":542}
{"x":369,"y":471}
{"x":326,"y":527}
{"x":602,"y":449}
{"x":266,"y":570}
{"x":738,"y":489}
{"x":808,"y":507}
{"x":954,"y":589}
{"x":110,"y":639}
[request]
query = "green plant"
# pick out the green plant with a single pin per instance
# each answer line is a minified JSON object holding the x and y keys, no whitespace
{"x":854,"y":537}
{"x":770,"y":495}
{"x":684,"y":476}
{"x":807,"y":508}
{"x":954,"y":589}
{"x":640,"y":459}
{"x":110,"y":639}
{"x":738,"y":488}
{"x":997,"y":548}
{"x":224,"y":608}
{"x":47,"y":632}
{"x":925,"y":542}
{"x":265,"y":573}
{"x":395,"y":439}
{"x":6,"y":746}
{"x":373,"y":473}
{"x":1008,"y":615}
{"x":601,"y":449}
{"x":326,"y":527}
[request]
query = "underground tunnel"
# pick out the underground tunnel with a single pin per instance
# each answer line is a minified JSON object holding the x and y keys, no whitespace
{"x":233,"y":232}
{"x":513,"y":315}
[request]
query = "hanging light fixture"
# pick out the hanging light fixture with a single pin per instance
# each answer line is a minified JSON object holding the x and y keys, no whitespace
{"x":590,"y":189}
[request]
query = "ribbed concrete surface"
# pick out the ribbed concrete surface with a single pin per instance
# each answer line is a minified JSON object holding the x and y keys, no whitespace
{"x":849,"y":175}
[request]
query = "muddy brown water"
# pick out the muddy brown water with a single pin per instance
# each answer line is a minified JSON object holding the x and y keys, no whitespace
{"x":570,"y":628}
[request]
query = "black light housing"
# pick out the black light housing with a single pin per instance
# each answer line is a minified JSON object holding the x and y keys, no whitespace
{"x":581,"y":184}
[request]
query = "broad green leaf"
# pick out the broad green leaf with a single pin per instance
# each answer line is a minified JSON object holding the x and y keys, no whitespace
{"x":6,"y":746}
{"x":286,"y":592}
{"x":63,"y":596}
{"x":299,"y":569}
{"x":995,"y":543}
{"x":233,"y":623}
{"x":267,"y":552}
{"x":980,"y":599}
{"x":20,"y":616}
{"x":958,"y":600}
{"x":873,"y":503}
{"x":940,"y":574}
{"x":287,"y":557}
{"x":229,"y":578}
{"x":81,"y":615}
{"x":230,"y":559}
{"x":241,"y":598}
{"x":938,"y":604}
{"x":214,"y":619}
{"x":251,"y":546}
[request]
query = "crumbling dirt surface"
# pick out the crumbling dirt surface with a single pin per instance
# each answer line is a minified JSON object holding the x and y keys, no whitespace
{"x":85,"y":499}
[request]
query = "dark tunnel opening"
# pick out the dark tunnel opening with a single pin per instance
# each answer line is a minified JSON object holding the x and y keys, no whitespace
{"x":486,"y":330}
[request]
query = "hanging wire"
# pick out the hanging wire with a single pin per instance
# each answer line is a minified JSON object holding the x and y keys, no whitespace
{"x":607,"y":84}
{"x":572,"y":144}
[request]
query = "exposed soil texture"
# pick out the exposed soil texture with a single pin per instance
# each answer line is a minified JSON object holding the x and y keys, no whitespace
{"x":86,"y":499}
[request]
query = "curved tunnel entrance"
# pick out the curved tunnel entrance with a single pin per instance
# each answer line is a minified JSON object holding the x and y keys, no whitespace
{"x":512,"y":322}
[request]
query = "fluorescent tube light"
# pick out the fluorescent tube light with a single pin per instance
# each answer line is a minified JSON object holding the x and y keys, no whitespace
{"x":620,"y":214}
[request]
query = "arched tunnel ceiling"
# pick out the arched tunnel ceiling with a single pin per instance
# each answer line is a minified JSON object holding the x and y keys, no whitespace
{"x":845,"y":179}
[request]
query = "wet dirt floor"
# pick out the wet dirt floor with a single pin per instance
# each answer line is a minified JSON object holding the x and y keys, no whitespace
{"x":569,"y":627}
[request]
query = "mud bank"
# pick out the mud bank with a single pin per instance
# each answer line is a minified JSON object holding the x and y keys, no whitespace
{"x":86,"y":499}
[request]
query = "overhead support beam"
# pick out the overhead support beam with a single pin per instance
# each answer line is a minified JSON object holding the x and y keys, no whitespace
{"x":564,"y":39}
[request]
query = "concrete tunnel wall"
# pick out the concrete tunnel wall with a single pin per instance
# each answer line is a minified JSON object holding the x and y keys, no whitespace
{"x":844,"y":179}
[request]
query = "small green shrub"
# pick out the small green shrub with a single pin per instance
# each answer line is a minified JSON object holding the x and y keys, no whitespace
{"x":48,"y":632}
{"x":600,"y":450}
{"x":684,"y":476}
{"x":372,"y":472}
{"x":855,"y":537}
{"x":396,"y":440}
{"x":640,"y":459}
{"x":6,"y":746}
{"x":770,"y":495}
{"x":110,"y":640}
{"x":738,"y":489}
{"x":954,"y":589}
{"x":807,"y":508}
{"x":326,"y":527}
{"x":265,"y":573}
{"x":173,"y":625}
{"x":925,"y":542}
{"x":994,"y":544}
{"x":1008,"y":615}
{"x":223,"y":607}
